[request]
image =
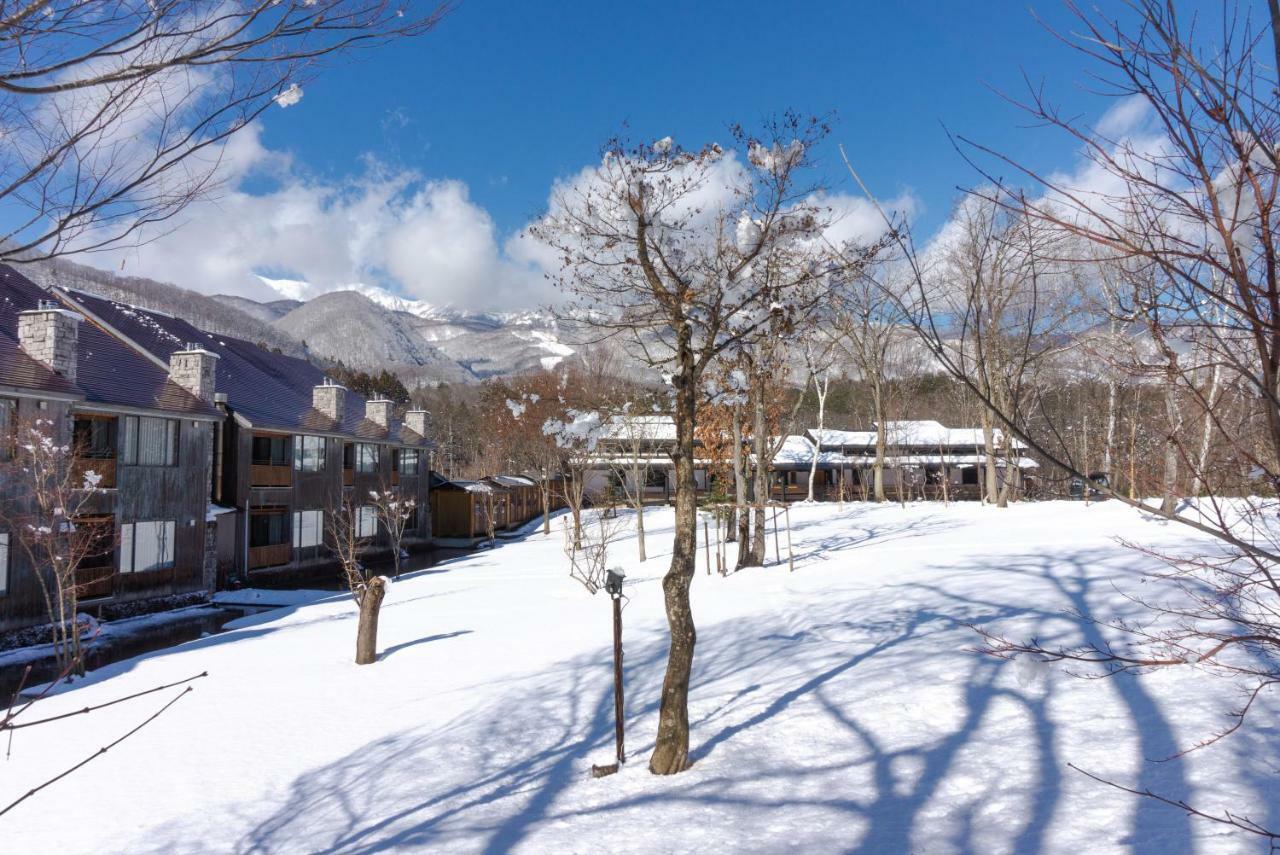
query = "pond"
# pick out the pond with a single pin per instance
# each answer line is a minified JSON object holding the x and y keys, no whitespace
{"x":126,"y":642}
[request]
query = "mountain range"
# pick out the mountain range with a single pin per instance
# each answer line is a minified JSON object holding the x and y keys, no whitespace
{"x":366,"y":328}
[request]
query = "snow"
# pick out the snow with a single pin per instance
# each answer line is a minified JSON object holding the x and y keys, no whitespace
{"x":837,"y":708}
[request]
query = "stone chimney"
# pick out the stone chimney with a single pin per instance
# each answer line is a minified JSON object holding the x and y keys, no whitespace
{"x":418,"y":421}
{"x":196,"y":370}
{"x":330,"y":399}
{"x":379,"y":411}
{"x":48,"y":333}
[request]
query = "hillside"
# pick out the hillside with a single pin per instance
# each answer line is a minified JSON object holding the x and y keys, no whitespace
{"x":207,"y":313}
{"x":350,"y":327}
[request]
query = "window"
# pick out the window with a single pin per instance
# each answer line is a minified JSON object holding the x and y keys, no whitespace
{"x":366,"y":457}
{"x":8,"y":426}
{"x":408,"y":461}
{"x":308,"y":529}
{"x":655,"y":478}
{"x":366,"y":521}
{"x":411,"y":519}
{"x":348,"y":455}
{"x":94,"y":437}
{"x":308,"y":453}
{"x":268,"y":528}
{"x":271,"y":450}
{"x":150,"y":441}
{"x":146,"y":545}
{"x":4,"y":562}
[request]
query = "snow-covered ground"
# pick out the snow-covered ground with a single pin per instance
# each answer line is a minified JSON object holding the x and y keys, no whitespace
{"x":837,"y":708}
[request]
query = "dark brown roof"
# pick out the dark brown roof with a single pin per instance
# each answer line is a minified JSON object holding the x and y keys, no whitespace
{"x":269,"y":390}
{"x":108,"y":371}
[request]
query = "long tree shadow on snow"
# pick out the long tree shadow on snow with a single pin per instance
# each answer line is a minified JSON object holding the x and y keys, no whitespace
{"x":496,"y":780}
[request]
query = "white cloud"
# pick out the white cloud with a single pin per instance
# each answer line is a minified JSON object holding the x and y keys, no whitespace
{"x":421,"y":239}
{"x":424,"y":239}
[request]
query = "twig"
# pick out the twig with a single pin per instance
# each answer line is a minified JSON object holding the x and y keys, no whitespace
{"x":1226,"y":818}
{"x":8,"y":725}
{"x":103,"y":750}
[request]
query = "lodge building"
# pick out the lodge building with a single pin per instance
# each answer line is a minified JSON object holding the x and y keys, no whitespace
{"x":217,"y":459}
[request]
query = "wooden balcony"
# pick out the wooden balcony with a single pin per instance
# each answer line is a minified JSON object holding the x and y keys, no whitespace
{"x":104,"y":466}
{"x":261,"y":475}
{"x":270,"y":556}
{"x":95,"y":582}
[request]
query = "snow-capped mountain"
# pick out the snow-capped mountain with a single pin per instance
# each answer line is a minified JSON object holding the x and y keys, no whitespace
{"x":371,"y":328}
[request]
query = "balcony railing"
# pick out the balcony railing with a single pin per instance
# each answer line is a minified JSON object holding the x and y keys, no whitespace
{"x":270,"y":556}
{"x":262,"y":475}
{"x":96,"y":581}
{"x":103,"y":466}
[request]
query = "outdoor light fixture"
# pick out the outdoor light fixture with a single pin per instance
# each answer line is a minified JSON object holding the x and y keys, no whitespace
{"x":613,"y":585}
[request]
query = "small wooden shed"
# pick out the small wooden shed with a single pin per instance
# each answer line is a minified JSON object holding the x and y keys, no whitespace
{"x":461,"y":509}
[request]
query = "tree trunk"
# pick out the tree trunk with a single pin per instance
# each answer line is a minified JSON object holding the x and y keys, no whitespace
{"x":640,"y":524}
{"x":367,"y":631}
{"x":878,"y":467}
{"x":1169,"y":504}
{"x":761,"y":440}
{"x":738,"y":521}
{"x":546,"y":509}
{"x":1199,"y":477}
{"x":671,"y":748}
{"x":1109,"y":442}
{"x":821,"y":392}
{"x":989,"y":446}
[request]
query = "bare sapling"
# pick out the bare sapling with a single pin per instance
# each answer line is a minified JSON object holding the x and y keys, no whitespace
{"x":351,"y":528}
{"x":394,"y":511}
{"x":51,"y":489}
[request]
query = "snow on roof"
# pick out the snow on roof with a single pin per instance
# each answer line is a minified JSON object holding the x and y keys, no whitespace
{"x":472,"y":486}
{"x":798,"y":450}
{"x":512,"y":480}
{"x":920,"y":432}
{"x":845,"y":437}
{"x":658,"y":428}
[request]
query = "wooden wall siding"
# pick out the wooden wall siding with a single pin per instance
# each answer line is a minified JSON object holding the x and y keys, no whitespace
{"x":270,"y":556}
{"x":270,"y":476}
{"x":104,"y":466}
{"x":452,"y":513}
{"x":23,"y":604}
{"x":179,"y":493}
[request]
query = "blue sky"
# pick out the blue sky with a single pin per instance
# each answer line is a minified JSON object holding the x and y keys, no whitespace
{"x":414,"y":166}
{"x":507,"y":96}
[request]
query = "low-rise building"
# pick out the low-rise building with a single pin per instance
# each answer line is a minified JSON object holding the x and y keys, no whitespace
{"x":144,"y":428}
{"x":292,"y":445}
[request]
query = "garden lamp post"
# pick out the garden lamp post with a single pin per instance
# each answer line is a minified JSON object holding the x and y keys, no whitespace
{"x":613,"y":587}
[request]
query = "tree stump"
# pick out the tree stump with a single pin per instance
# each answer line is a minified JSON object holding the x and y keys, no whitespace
{"x":367,"y":631}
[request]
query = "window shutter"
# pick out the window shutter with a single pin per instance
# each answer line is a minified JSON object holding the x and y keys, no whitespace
{"x":130,"y":440}
{"x":126,"y":548}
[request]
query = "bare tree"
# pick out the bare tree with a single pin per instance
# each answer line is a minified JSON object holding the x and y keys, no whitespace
{"x":688,"y":253}
{"x":115,"y":115}
{"x":637,"y":435}
{"x":818,"y":365}
{"x":576,"y":435}
{"x":394,"y":511}
{"x":48,"y":489}
{"x":869,"y":323}
{"x":1193,"y":207}
{"x":351,"y":527}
